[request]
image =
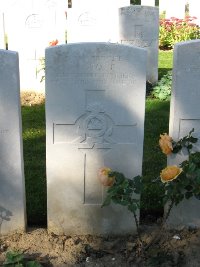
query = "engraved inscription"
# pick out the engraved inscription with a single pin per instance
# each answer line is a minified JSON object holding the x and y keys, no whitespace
{"x":138,"y":42}
{"x":94,"y":134}
{"x":86,"y":19}
{"x":33,"y":21}
{"x":139,"y":31}
{"x":4,"y":131}
{"x":114,"y":78}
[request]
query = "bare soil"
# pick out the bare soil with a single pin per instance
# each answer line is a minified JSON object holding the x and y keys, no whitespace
{"x":175,"y":248}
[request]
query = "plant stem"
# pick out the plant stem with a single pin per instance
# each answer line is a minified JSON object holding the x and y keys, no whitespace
{"x":158,"y":233}
{"x":137,"y":227}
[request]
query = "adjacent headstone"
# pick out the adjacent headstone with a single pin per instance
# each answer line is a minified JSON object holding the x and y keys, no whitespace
{"x":194,"y":10}
{"x":12,"y":189}
{"x":175,"y":8}
{"x":37,"y":23}
{"x":139,"y":26}
{"x":94,"y":21}
{"x":185,"y":115}
{"x":95,"y":102}
{"x":147,"y":2}
{"x":162,"y":6}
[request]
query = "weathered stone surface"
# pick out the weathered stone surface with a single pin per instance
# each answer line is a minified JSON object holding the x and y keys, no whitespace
{"x":94,"y":21}
{"x":12,"y":191}
{"x":139,"y":26}
{"x":185,"y":115}
{"x":95,"y":102}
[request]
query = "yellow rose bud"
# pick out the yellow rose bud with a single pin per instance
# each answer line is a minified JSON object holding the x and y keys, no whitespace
{"x":105,"y":179}
{"x":165,"y":143}
{"x":170,"y":173}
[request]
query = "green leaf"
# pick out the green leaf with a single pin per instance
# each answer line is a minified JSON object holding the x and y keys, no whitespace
{"x":13,"y":257}
{"x":33,"y":264}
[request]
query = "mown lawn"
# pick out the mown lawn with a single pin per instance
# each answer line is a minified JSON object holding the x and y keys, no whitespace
{"x":33,"y":119}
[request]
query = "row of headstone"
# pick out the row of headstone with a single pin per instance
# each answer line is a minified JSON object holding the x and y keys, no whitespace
{"x":138,"y":26}
{"x":38,"y":23}
{"x":95,"y":104}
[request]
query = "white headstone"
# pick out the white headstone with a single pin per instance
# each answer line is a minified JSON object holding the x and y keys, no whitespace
{"x":175,"y":8}
{"x":94,"y":22}
{"x":162,"y":6}
{"x":185,"y":115}
{"x":147,"y":2}
{"x":31,"y":25}
{"x":95,"y":102}
{"x":12,"y":189}
{"x":139,"y":26}
{"x":194,"y":10}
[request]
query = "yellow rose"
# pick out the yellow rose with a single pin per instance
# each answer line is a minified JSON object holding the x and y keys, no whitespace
{"x":105,"y":179}
{"x":170,"y":173}
{"x":165,"y":143}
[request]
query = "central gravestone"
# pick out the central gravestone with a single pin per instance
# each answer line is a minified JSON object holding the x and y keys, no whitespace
{"x":95,"y":102}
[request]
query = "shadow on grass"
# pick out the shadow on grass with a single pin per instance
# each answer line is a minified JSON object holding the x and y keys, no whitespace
{"x":34,"y":146}
{"x":156,"y":123}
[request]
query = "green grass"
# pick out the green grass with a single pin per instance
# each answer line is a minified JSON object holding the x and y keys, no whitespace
{"x":33,"y":124}
{"x":33,"y":119}
{"x":165,"y":61}
{"x":156,"y":123}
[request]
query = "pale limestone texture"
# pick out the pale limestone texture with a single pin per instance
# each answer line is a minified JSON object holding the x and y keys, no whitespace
{"x":95,"y":102}
{"x":94,"y":21}
{"x":139,"y":26}
{"x":12,"y":190}
{"x":30,"y":26}
{"x":185,"y":115}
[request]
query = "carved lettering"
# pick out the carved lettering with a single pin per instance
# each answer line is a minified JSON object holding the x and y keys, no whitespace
{"x":4,"y":131}
{"x":138,"y":42}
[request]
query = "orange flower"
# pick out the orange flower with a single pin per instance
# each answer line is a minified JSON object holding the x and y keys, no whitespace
{"x":170,"y":173}
{"x":165,"y":143}
{"x":53,"y":43}
{"x":105,"y":179}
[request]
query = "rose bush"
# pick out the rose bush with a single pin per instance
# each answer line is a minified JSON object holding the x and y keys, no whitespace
{"x":176,"y":182}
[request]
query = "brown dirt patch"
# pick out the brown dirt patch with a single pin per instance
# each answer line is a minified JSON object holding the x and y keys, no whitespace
{"x":30,"y":98}
{"x":175,"y":248}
